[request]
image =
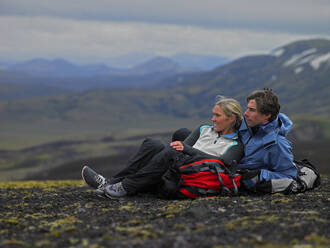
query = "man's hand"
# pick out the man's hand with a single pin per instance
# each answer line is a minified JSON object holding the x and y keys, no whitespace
{"x":177,"y":145}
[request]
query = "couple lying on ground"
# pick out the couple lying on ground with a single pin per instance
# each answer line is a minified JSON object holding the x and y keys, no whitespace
{"x":253,"y":147}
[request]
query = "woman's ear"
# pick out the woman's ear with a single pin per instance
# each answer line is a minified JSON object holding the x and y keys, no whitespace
{"x":232,"y":118}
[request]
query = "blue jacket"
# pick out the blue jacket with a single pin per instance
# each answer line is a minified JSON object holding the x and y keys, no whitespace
{"x":268,"y":150}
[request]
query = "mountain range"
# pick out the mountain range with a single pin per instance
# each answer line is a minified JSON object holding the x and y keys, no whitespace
{"x":298,"y":72}
{"x":61,"y":74}
{"x":61,"y":68}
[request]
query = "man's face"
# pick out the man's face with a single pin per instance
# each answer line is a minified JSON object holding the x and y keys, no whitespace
{"x":253,"y":116}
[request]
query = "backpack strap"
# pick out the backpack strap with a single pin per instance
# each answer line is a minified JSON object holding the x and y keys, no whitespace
{"x":224,"y":189}
{"x":200,"y":191}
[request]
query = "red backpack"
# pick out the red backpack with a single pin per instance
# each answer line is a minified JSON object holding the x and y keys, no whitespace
{"x":206,"y":178}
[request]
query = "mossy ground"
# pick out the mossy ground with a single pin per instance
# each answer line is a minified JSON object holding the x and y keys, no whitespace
{"x":69,"y":214}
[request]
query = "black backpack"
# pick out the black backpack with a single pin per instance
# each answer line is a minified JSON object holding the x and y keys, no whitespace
{"x":308,"y":176}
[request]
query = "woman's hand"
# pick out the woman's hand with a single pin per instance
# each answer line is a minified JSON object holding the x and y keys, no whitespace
{"x":177,"y":145}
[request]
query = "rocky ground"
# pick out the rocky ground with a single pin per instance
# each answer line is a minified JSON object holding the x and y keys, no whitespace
{"x":68,"y":214}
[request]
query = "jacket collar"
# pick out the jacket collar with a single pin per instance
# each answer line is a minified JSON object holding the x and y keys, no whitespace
{"x":233,"y":135}
{"x":266,"y":128}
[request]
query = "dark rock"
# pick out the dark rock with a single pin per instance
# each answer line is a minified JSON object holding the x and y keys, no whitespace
{"x":65,"y":213}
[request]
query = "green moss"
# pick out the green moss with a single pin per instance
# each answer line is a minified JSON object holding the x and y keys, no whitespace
{"x":46,"y":185}
{"x":172,"y":209}
{"x":59,"y":226}
{"x":89,"y":205}
{"x":134,"y":222}
{"x":43,"y":243}
{"x":11,"y":221}
{"x":142,"y":232}
{"x":13,"y":243}
{"x":273,"y":245}
{"x":250,"y":221}
{"x":179,"y":226}
{"x":129,"y":207}
{"x":36,"y":216}
{"x":318,"y":240}
{"x":281,"y":200}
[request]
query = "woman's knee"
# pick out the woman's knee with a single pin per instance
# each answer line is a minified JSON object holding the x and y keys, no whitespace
{"x":180,"y":134}
{"x":153,"y":144}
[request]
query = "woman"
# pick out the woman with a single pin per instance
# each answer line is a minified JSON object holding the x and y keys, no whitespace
{"x":146,"y":169}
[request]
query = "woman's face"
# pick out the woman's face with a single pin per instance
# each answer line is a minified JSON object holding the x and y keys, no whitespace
{"x":221,"y":122}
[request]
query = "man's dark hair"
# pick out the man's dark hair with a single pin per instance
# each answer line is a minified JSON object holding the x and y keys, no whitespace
{"x":267,"y":102}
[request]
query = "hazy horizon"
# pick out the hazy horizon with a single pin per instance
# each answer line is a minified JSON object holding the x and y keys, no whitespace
{"x":116,"y":32}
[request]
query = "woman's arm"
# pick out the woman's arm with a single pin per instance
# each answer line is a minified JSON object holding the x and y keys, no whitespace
{"x":193,"y":137}
{"x":187,"y":144}
{"x":235,"y":152}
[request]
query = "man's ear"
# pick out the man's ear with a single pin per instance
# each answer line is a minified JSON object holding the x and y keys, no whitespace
{"x":267,"y":117}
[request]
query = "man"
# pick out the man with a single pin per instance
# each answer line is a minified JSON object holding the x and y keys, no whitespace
{"x":267,"y":164}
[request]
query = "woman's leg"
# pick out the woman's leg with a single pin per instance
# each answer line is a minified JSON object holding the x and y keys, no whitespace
{"x":148,"y":149}
{"x":181,"y":134}
{"x":150,"y":175}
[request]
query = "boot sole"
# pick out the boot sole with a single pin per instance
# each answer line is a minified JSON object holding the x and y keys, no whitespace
{"x":82,"y":175}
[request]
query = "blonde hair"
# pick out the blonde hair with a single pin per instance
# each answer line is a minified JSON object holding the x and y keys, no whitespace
{"x":231,"y":107}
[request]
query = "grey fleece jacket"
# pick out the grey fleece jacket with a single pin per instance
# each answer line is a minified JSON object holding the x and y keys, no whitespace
{"x":206,"y":142}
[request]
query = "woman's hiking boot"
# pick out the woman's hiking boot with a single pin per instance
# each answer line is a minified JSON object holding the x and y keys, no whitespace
{"x":94,"y":180}
{"x":115,"y":191}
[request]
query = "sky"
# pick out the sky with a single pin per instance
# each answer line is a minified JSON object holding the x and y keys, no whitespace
{"x":119,"y":32}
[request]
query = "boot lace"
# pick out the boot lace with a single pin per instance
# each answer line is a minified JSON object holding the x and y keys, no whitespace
{"x":100,"y":180}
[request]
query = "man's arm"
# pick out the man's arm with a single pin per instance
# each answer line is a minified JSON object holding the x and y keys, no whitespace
{"x":279,"y":160}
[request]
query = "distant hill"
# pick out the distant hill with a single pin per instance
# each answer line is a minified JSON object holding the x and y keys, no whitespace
{"x":21,"y":85}
{"x":57,"y":68}
{"x":60,"y":73}
{"x":159,"y":65}
{"x":205,"y":62}
{"x":62,"y":68}
{"x":19,"y":91}
{"x":298,"y":72}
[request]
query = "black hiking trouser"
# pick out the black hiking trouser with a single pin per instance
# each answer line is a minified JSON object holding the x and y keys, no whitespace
{"x":145,"y":170}
{"x":147,"y":150}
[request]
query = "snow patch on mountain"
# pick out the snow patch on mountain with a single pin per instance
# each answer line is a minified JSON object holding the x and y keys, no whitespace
{"x":273,"y":78}
{"x":297,"y":57}
{"x":316,"y":63}
{"x":298,"y":70}
{"x":277,"y":52}
{"x":310,"y":57}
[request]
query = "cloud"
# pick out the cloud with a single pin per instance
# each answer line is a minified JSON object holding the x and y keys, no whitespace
{"x":83,"y":40}
{"x":103,"y":30}
{"x":302,"y":16}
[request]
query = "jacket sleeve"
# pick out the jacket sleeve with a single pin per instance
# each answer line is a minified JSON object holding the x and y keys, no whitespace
{"x":279,"y":161}
{"x":192,"y":138}
{"x":235,"y":152}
